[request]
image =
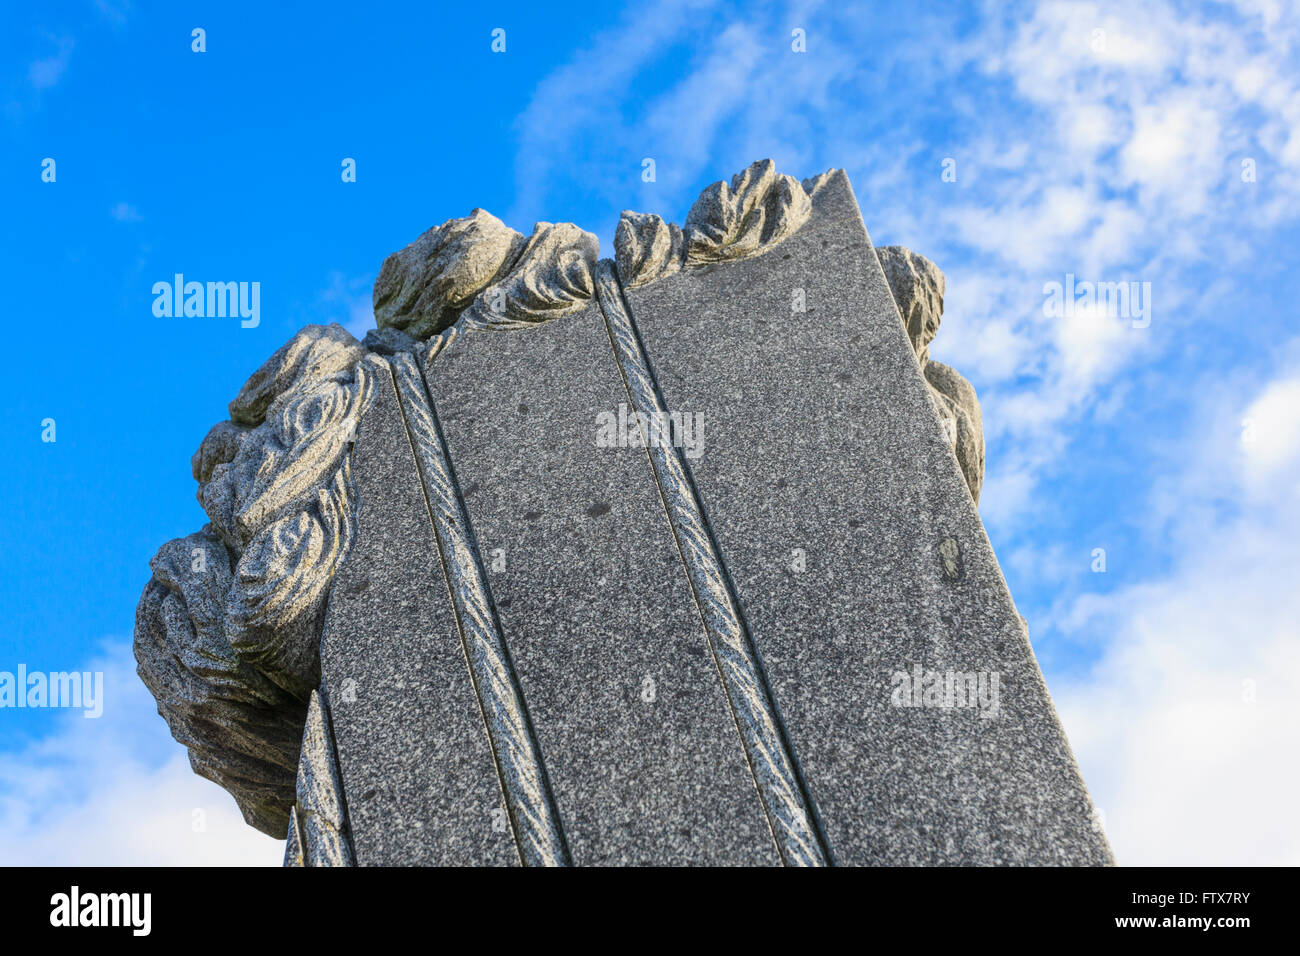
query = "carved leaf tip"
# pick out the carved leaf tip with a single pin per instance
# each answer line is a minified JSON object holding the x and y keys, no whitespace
{"x":752,"y":213}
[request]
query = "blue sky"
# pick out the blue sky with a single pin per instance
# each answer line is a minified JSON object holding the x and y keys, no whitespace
{"x":1107,"y":140}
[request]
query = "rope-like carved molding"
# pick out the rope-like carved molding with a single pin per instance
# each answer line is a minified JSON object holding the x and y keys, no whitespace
{"x":758,"y":210}
{"x":748,"y":695}
{"x":227,"y":634}
{"x":530,"y":806}
{"x":318,"y":829}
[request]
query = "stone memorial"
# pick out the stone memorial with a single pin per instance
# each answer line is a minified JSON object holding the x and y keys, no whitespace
{"x":672,"y":558}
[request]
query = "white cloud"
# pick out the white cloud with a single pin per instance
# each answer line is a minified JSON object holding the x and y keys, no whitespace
{"x":1004,"y":495}
{"x":118,"y":790}
{"x":1134,"y":138}
{"x":1271,"y":432}
{"x":142,"y":816}
{"x":1187,"y":726}
{"x":1186,"y":729}
{"x":1090,"y":339}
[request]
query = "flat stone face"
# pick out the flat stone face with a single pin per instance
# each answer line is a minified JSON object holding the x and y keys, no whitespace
{"x":642,"y":755}
{"x":857,"y":554}
{"x":418,"y":775}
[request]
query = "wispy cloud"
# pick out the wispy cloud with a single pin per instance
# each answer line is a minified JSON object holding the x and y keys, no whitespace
{"x":1136,"y":141}
{"x":573,"y":133}
{"x":1181,"y":725}
{"x":349,"y":302}
{"x":118,"y":791}
{"x":114,"y":11}
{"x":48,"y":70}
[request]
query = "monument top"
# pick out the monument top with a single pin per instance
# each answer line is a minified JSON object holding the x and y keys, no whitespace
{"x":670,"y":558}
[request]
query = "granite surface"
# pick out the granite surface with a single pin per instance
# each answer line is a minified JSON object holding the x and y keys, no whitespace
{"x":642,"y":755}
{"x":857,"y":554}
{"x":530,"y":808}
{"x":318,"y":820}
{"x":419,"y":779}
{"x":778,"y":635}
{"x":227,"y":635}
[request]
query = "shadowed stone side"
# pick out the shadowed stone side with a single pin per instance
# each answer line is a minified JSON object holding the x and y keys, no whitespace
{"x":959,"y":412}
{"x":918,"y":287}
{"x":242,"y":730}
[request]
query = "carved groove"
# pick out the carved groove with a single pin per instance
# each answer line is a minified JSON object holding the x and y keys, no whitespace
{"x":293,"y":855}
{"x":529,"y":804}
{"x":766,"y":749}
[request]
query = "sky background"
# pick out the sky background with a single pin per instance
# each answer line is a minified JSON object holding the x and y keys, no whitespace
{"x":1104,"y":140}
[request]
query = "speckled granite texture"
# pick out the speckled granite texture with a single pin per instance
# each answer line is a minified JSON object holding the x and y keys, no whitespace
{"x":823,"y":452}
{"x":846,"y":553}
{"x":642,"y":755}
{"x":418,"y":775}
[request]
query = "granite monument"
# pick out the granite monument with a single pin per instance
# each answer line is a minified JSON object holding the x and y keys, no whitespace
{"x":672,"y":558}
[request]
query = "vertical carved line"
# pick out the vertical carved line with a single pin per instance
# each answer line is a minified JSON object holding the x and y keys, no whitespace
{"x":318,"y":829}
{"x":767,"y":751}
{"x":529,"y":803}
